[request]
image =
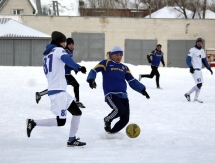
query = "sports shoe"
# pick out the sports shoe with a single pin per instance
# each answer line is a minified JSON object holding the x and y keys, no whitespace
{"x":80,"y":105}
{"x":30,"y":125}
{"x":159,"y":88}
{"x":75,"y":142}
{"x":196,"y":100}
{"x":140,"y":77}
{"x":107,"y":126}
{"x":187,"y":97}
{"x":38,"y":97}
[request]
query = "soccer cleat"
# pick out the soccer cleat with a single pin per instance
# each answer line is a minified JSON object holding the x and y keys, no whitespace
{"x":196,"y":100}
{"x":30,"y":125}
{"x":187,"y":97}
{"x":75,"y":142}
{"x":79,"y":104}
{"x":140,"y":77}
{"x":38,"y":97}
{"x":107,"y":126}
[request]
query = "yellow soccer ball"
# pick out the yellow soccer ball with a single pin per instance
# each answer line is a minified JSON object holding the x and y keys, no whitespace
{"x":133,"y":130}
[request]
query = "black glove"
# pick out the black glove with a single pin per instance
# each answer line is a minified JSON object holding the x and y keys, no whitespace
{"x":92,"y":84}
{"x":192,"y":70}
{"x":144,"y":93}
{"x":150,"y":61}
{"x":82,"y":69}
{"x":211,"y":71}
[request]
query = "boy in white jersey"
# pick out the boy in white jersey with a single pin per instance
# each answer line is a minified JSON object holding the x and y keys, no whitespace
{"x":54,"y":60}
{"x":194,"y":61}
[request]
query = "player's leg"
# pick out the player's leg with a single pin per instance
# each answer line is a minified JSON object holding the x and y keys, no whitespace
{"x":199,"y":82}
{"x":157,"y":74}
{"x":39,"y":94}
{"x":197,"y":76}
{"x":124,"y":118}
{"x":151,"y":75}
{"x":58,"y":102}
{"x":73,"y":82}
{"x":76,"y":115}
{"x":119,"y":109}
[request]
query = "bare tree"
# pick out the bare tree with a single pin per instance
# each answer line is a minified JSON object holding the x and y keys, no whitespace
{"x":211,"y":6}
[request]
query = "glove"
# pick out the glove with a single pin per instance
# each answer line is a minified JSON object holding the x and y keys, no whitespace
{"x":150,"y":61}
{"x":82,"y":69}
{"x":192,"y":70}
{"x":164,"y":65}
{"x":144,"y":93}
{"x":211,"y":71}
{"x":92,"y":84}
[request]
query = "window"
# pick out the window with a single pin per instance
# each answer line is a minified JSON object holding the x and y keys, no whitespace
{"x":18,"y":11}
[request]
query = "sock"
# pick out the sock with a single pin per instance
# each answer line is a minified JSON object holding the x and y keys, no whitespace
{"x":192,"y":90}
{"x":197,"y":94}
{"x":43,"y":92}
{"x":46,"y":122}
{"x":71,"y":139}
{"x":74,"y":125}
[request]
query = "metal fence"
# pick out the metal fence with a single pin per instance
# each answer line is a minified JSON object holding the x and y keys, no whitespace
{"x":136,"y":51}
{"x":22,"y":51}
{"x":89,"y":46}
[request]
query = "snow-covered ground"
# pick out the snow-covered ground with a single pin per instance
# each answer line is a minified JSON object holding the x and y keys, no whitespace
{"x":172,"y":129}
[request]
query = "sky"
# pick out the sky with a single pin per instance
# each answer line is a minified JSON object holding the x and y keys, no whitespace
{"x":173,"y":130}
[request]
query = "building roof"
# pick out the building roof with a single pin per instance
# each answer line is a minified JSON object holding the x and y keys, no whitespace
{"x":174,"y":12}
{"x":12,"y":28}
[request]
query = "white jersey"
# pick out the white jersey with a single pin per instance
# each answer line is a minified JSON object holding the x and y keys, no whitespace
{"x":196,"y":57}
{"x":54,"y":69}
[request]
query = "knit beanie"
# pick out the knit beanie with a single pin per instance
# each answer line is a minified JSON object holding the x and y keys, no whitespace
{"x":58,"y":37}
{"x":199,"y":40}
{"x":69,"y":41}
{"x":116,"y":50}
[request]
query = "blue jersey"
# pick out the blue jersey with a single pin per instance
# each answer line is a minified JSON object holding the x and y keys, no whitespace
{"x":157,"y":56}
{"x":115,"y":76}
{"x":67,"y":68}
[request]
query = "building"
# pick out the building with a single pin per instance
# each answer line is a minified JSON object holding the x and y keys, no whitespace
{"x":17,"y":7}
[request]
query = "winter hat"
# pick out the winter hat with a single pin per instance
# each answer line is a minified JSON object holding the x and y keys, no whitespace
{"x":116,"y":49}
{"x":159,"y":45}
{"x":58,"y":37}
{"x":69,"y":41}
{"x":199,"y":40}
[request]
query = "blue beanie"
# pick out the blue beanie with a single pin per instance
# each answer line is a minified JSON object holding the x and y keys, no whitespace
{"x":116,"y":50}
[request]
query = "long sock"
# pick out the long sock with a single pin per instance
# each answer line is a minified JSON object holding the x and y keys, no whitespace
{"x":44,"y":92}
{"x":192,"y":90}
{"x":46,"y":122}
{"x":197,"y":94}
{"x":74,"y":125}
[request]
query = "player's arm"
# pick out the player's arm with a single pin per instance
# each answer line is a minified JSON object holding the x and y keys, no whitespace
{"x":162,"y":60}
{"x":135,"y":84}
{"x":205,"y":62}
{"x":93,"y":72}
{"x":69,"y":62}
{"x":149,"y":56}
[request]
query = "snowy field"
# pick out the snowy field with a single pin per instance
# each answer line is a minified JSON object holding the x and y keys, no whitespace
{"x":172,"y":129}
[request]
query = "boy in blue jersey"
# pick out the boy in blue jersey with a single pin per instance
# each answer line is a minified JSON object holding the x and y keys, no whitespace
{"x":70,"y":79}
{"x":157,"y":57}
{"x":115,"y":75}
{"x":194,"y":61}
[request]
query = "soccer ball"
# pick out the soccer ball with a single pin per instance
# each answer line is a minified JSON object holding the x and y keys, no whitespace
{"x":133,"y":130}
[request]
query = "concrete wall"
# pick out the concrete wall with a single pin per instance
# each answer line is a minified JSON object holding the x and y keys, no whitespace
{"x":17,"y":4}
{"x":118,"y":29}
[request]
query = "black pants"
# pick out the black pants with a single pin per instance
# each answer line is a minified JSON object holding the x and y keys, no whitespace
{"x":153,"y":73}
{"x":120,"y":109}
{"x":72,"y":81}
